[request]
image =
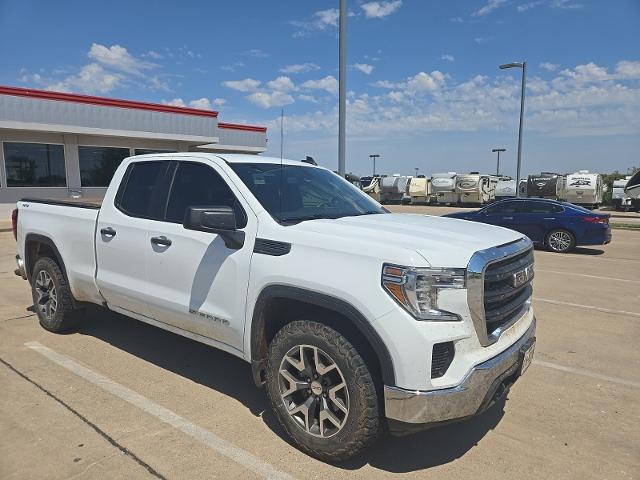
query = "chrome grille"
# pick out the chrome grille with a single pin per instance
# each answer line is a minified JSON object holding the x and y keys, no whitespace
{"x":499,"y":287}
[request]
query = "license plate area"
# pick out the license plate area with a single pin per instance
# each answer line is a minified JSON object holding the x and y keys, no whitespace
{"x":526,"y":354}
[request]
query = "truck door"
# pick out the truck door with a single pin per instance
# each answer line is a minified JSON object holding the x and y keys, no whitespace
{"x":121,"y":235}
{"x":195,"y":282}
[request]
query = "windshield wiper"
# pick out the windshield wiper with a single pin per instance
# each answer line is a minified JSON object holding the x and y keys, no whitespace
{"x":315,"y":216}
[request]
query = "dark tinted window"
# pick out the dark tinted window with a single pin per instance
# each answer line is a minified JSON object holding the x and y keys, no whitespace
{"x":98,"y":164}
{"x":142,"y":193}
{"x":502,"y":208}
{"x":34,"y":165}
{"x":146,"y":151}
{"x":196,"y":184}
{"x":541,"y":207}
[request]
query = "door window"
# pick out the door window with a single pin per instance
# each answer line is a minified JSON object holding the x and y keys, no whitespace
{"x":541,"y":207}
{"x":502,"y":208}
{"x":141,"y":191}
{"x":196,"y":184}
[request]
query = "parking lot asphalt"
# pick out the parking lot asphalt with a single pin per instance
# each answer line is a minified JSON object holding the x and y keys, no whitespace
{"x":120,"y":399}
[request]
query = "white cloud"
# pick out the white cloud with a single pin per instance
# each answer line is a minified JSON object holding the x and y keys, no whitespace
{"x":425,"y":82}
{"x":201,"y":103}
{"x":91,"y":78}
{"x":456,"y":20}
{"x":246,"y":85}
{"x":448,"y":58}
{"x":480,"y":40}
{"x":380,"y":9}
{"x":176,"y":102}
{"x":281,"y":84}
{"x":269,"y":100}
{"x":320,"y":21}
{"x":308,"y":98}
{"x":299,"y":68}
{"x":628,"y":70}
{"x":589,"y":72}
{"x":489,"y":7}
{"x":256,"y":53}
{"x":551,"y":67}
{"x":385,"y":84}
{"x":328,"y":83}
{"x":565,"y":4}
{"x":118,"y":58}
{"x":363,"y":67}
{"x":219,"y":102}
{"x":155,"y":55}
{"x":232,"y":67}
{"x":529,"y":5}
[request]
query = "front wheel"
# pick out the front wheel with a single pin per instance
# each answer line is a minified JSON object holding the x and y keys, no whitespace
{"x":322,"y":392}
{"x":560,"y":241}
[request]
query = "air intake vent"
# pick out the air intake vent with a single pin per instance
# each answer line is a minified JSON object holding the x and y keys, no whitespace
{"x":441,"y":358}
{"x":271,"y":247}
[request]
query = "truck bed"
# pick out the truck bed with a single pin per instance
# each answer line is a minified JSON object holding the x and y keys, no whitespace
{"x":92,"y":203}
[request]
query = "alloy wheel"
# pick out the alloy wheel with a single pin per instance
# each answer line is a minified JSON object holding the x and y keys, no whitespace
{"x":47,"y":301}
{"x":313,"y":390}
{"x":560,"y":241}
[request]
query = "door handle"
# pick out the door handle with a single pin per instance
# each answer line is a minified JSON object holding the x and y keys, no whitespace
{"x":162,"y":241}
{"x":507,"y":218}
{"x":108,"y":232}
{"x":549,"y":218}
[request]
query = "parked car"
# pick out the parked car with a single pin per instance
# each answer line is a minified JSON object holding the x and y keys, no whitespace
{"x":354,"y":319}
{"x":559,"y":226}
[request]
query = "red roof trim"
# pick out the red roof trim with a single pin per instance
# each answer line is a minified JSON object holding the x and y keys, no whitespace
{"x":107,"y":102}
{"x":237,"y":126}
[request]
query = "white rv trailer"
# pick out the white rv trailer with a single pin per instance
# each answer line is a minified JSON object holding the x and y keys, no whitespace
{"x":443,"y":187}
{"x":585,"y":188}
{"x":506,"y":188}
{"x":393,"y":189}
{"x":621,"y":201}
{"x":420,"y":190}
{"x":371,"y":186}
{"x":632,"y":188}
{"x":475,"y":189}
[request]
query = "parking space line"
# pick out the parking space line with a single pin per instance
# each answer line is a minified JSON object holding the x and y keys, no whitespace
{"x":587,"y":276}
{"x":589,"y":307}
{"x":587,"y":373}
{"x":237,"y":454}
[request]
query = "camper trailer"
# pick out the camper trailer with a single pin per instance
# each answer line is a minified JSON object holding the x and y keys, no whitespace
{"x":371,"y":186}
{"x":621,"y":200}
{"x":420,"y":190}
{"x":393,"y":189}
{"x":547,"y":185}
{"x":506,"y":188}
{"x":443,"y":187}
{"x":585,"y":188}
{"x":475,"y":189}
{"x":632,"y":190}
{"x":522,"y":188}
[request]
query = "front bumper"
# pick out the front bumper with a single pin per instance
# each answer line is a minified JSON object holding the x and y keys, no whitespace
{"x":473,"y":395}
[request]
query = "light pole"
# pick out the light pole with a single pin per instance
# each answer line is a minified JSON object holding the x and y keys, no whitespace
{"x":374,"y":156}
{"x":498,"y":150}
{"x":342,"y":88}
{"x":523,"y":66}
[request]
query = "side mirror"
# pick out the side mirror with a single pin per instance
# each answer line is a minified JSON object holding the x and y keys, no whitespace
{"x":218,"y":219}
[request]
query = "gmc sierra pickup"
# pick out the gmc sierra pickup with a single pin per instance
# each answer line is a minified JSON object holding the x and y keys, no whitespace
{"x":354,"y":319}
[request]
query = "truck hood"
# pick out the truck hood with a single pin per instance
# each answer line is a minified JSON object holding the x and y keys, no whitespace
{"x":442,"y":242}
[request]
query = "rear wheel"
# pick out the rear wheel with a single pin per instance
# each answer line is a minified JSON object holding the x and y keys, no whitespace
{"x":322,"y":391}
{"x":52,"y":297}
{"x":560,"y":241}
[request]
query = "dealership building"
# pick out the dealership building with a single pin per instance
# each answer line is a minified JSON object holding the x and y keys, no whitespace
{"x":62,"y":145}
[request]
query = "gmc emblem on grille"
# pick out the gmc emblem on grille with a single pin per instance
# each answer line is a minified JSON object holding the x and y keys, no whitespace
{"x":522,"y":276}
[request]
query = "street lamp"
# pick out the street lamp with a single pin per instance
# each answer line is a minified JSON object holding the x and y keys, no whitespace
{"x":498,"y":150}
{"x":523,"y":66}
{"x":374,"y":156}
{"x":342,"y":87}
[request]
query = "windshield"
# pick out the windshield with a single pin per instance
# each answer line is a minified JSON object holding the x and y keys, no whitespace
{"x":292,"y":194}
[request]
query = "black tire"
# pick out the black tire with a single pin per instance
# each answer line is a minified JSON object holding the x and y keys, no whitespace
{"x":65,"y":315}
{"x":362,"y":424}
{"x":560,"y":241}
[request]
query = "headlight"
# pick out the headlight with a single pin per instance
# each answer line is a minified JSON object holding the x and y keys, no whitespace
{"x":417,"y":289}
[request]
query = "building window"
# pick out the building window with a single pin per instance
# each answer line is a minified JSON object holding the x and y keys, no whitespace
{"x":98,"y":164}
{"x":147,"y":151}
{"x":34,"y":165}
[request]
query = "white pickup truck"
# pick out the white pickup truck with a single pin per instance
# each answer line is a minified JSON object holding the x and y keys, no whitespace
{"x":354,"y":318}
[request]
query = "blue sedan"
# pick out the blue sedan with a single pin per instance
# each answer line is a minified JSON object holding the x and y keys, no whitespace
{"x":558,"y":226}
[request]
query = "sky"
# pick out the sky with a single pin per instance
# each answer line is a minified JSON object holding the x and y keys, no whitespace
{"x":424,"y":88}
